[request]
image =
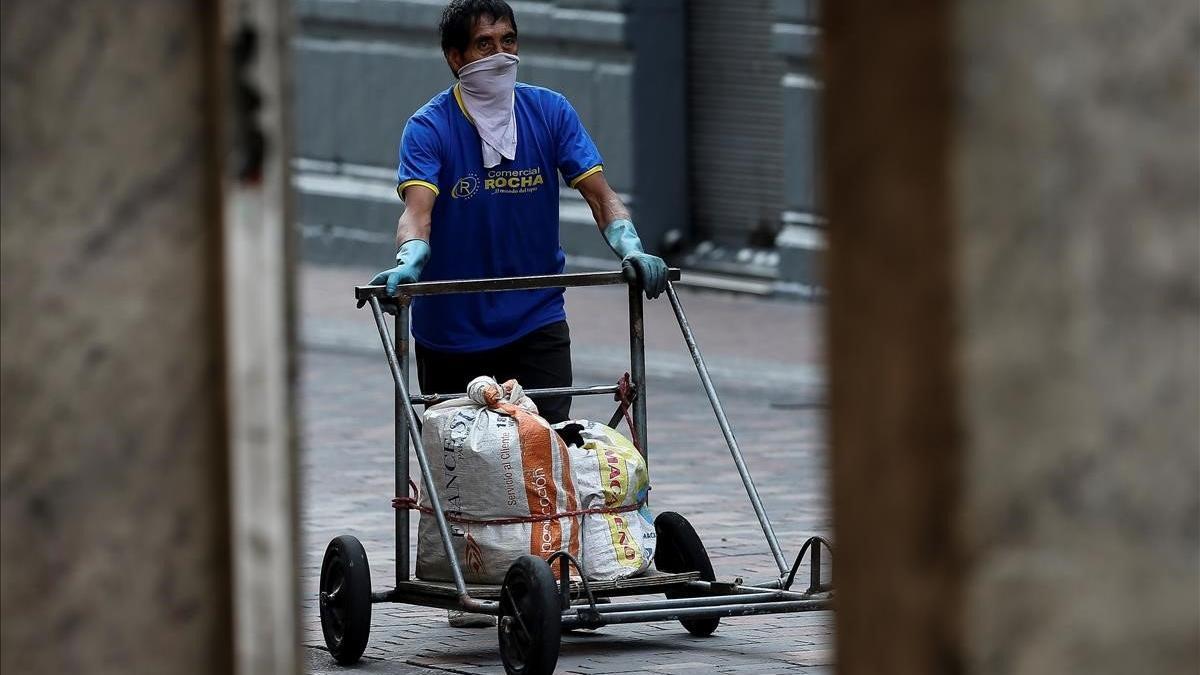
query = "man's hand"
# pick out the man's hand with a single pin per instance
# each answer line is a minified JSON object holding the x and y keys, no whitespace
{"x":622,"y":238}
{"x":402,"y":273}
{"x":410,"y":260}
{"x":651,"y":270}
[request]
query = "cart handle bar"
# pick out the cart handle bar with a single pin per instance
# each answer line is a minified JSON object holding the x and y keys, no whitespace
{"x":501,"y":284}
{"x":594,"y":390}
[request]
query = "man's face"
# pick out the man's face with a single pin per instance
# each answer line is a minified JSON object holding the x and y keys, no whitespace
{"x":488,"y":37}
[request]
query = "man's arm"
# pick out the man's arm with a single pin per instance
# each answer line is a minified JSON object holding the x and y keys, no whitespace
{"x":412,"y":239}
{"x":613,"y":220}
{"x":418,"y":214}
{"x":606,"y":205}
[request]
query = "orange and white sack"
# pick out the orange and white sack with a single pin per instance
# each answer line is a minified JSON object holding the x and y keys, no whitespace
{"x":494,"y":458}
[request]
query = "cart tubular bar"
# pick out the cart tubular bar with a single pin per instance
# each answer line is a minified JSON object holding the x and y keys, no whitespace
{"x":465,"y":600}
{"x":637,"y":366}
{"x":586,"y":612}
{"x":601,"y":618}
{"x":709,"y":588}
{"x":751,"y":491}
{"x":677,"y":603}
{"x":502,"y":284}
{"x":814,"y":572}
{"x":477,"y":606}
{"x":431,"y":399}
{"x":401,"y":444}
{"x":759,"y":598}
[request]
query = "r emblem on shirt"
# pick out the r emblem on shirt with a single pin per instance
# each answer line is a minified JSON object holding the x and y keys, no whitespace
{"x":465,"y":187}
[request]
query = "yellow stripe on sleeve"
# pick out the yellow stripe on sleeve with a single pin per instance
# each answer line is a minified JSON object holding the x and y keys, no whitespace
{"x":585,"y":174}
{"x":431,"y":186}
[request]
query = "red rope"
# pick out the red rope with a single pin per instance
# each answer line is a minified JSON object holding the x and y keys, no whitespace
{"x":411,"y":504}
{"x":624,"y":395}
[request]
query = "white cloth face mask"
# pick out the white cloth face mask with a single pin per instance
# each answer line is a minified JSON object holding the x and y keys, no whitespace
{"x":487,"y":87}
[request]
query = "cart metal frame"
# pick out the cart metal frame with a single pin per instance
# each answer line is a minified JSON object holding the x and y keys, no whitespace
{"x":706,"y":599}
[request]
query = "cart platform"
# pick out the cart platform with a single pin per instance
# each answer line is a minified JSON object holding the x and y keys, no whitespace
{"x":653,"y":581}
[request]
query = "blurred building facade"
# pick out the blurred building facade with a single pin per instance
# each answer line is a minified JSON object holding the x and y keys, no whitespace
{"x":705,"y":113}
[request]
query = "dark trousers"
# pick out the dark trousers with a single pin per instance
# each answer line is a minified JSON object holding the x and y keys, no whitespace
{"x":538,"y":360}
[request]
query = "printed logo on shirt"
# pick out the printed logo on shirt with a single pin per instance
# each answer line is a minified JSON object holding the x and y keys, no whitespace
{"x":513,"y":181}
{"x":465,"y":187}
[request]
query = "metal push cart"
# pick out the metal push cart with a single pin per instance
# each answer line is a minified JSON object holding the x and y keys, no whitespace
{"x":532,"y":607}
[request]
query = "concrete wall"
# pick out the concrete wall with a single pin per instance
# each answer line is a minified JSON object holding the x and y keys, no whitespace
{"x":1077,"y":181}
{"x":114,"y":554}
{"x":1015,"y":328}
{"x":795,"y":39}
{"x":802,"y":239}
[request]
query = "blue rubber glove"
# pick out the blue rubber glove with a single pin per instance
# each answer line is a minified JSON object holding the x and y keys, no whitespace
{"x":651,"y":270}
{"x":410,"y":260}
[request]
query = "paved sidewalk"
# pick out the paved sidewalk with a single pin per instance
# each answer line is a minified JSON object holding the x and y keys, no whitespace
{"x":346,"y":409}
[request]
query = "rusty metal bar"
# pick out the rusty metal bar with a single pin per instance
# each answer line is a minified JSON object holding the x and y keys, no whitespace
{"x":602,"y":617}
{"x":431,"y":399}
{"x":814,"y":570}
{"x":678,"y":603}
{"x":426,"y":473}
{"x":402,"y":460}
{"x":501,"y":284}
{"x":637,"y":366}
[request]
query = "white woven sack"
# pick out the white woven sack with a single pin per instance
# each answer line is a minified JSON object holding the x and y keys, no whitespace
{"x":493,"y":458}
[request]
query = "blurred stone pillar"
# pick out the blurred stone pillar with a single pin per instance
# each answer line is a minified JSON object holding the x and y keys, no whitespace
{"x":1014,"y":330}
{"x":122,"y":353}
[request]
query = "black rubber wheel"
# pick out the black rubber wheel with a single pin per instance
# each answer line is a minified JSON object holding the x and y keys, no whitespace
{"x":530,"y":624}
{"x":679,"y":549}
{"x":345,"y":599}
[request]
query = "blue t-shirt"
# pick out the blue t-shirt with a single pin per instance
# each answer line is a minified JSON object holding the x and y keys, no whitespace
{"x":497,"y":222}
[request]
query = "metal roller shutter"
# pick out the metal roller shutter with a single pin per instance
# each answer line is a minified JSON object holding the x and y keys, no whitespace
{"x":735,"y":120}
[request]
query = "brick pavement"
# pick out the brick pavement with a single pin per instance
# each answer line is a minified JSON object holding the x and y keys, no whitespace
{"x":346,"y":428}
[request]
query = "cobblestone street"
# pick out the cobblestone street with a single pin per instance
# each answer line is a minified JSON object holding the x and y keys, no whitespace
{"x":764,"y":357}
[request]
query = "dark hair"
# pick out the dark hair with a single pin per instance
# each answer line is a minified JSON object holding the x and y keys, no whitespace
{"x":460,"y":16}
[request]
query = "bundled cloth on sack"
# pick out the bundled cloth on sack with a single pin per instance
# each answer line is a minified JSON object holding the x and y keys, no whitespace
{"x":510,"y":485}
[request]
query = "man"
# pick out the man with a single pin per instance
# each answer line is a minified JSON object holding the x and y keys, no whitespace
{"x":477,"y":176}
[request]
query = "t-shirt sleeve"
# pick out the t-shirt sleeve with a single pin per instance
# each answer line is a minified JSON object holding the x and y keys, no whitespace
{"x":578,"y":157}
{"x":420,"y":158}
